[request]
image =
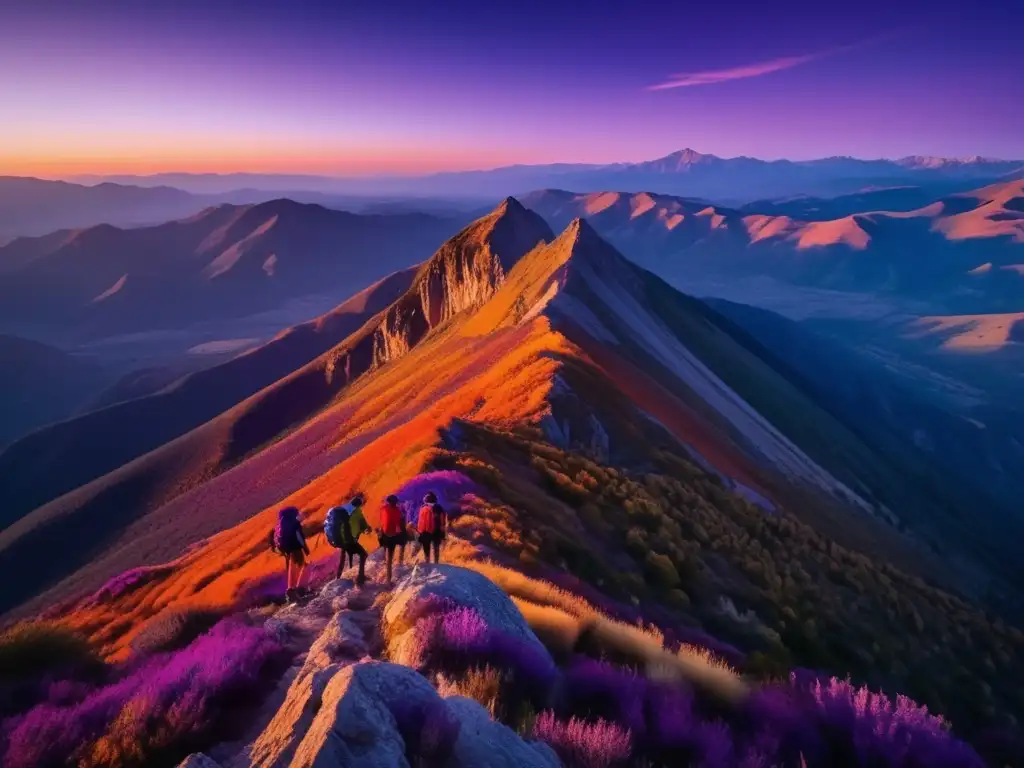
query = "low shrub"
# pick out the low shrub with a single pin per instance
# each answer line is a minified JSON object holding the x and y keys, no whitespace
{"x":33,"y":650}
{"x":661,"y":572}
{"x":158,"y":712}
{"x":173,"y":630}
{"x":448,"y":485}
{"x":482,"y":684}
{"x":451,"y":641}
{"x":582,"y":744}
{"x":126,"y":582}
{"x":429,"y":731}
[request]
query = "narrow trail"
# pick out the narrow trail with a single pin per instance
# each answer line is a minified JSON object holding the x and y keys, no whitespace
{"x":339,"y":626}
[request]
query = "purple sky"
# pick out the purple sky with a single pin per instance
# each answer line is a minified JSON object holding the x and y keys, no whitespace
{"x":401,"y":85}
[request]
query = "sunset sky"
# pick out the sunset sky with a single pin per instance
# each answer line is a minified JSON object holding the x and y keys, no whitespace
{"x":406,"y":86}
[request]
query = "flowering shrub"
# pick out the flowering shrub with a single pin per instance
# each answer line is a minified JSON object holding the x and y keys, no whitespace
{"x":870,"y":728}
{"x":808,"y":722}
{"x":125,"y":582}
{"x":456,"y":640}
{"x":35,"y":649}
{"x":449,"y":486}
{"x":582,"y":744}
{"x":160,"y":710}
{"x":174,"y":629}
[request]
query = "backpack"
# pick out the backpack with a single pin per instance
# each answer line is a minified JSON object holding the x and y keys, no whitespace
{"x":285,"y":536}
{"x":336,"y":527}
{"x":431,"y":519}
{"x":391,"y":520}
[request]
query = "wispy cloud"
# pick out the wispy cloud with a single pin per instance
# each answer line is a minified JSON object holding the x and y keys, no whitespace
{"x":713,"y":76}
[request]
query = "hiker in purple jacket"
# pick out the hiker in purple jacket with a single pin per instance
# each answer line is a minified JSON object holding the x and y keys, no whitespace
{"x":288,"y":540}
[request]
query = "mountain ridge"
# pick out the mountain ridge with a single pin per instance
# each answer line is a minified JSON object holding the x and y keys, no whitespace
{"x":225,"y":261}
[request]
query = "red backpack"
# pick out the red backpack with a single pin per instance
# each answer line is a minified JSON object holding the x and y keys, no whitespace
{"x":431,"y":519}
{"x":391,"y":519}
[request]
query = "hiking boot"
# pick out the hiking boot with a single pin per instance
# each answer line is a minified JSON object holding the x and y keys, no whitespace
{"x":290,"y":595}
{"x":360,"y":579}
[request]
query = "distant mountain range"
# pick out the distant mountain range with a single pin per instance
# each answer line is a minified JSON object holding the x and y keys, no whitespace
{"x":227,"y":261}
{"x":33,"y":207}
{"x":686,"y":172}
{"x":962,"y":252}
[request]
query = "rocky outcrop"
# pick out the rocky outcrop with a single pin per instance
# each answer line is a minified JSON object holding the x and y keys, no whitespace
{"x":484,"y":742}
{"x":345,"y":708}
{"x":356,"y":726}
{"x":347,"y":638}
{"x":457,"y":586}
{"x":464,"y":273}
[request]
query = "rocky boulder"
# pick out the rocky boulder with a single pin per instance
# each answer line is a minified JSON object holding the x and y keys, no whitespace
{"x":458,"y":586}
{"x":484,"y":742}
{"x":347,"y":638}
{"x":357,"y":723}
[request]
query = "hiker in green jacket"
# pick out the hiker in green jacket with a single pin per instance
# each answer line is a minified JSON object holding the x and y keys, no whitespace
{"x":342,"y":527}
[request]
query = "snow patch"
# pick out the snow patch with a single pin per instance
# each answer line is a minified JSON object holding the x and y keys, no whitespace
{"x":112,"y":289}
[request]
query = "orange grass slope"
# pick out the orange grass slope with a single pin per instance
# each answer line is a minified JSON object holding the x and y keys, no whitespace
{"x":400,"y":410}
{"x":270,"y":444}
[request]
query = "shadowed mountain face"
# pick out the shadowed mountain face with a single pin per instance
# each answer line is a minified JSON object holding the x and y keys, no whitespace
{"x":61,"y":457}
{"x":917,"y":421}
{"x":961,"y":253}
{"x":41,"y":384}
{"x":226,"y":262}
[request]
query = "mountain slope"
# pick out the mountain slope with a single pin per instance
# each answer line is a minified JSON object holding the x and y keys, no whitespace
{"x":966,"y":455}
{"x":465,"y":270}
{"x":612,"y":432}
{"x":59,"y":458}
{"x":41,"y":384}
{"x":229,"y":261}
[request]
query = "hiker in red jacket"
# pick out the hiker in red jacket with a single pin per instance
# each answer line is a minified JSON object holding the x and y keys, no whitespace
{"x":431,"y":526}
{"x":392,"y":528}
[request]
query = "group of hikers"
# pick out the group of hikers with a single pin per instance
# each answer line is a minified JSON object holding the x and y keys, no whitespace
{"x":344,"y":524}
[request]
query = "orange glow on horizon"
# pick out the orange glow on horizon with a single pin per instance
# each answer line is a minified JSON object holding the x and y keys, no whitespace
{"x":368,"y":161}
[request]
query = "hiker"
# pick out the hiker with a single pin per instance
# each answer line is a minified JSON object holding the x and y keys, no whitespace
{"x":431,"y":526}
{"x":342,"y":527}
{"x":392,"y":525}
{"x":287,"y":539}
{"x":403,"y":537}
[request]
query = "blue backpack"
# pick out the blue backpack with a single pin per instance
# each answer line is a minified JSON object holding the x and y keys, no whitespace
{"x":336,"y":527}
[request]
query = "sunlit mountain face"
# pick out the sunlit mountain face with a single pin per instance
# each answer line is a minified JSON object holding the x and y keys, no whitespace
{"x":508,"y":386}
